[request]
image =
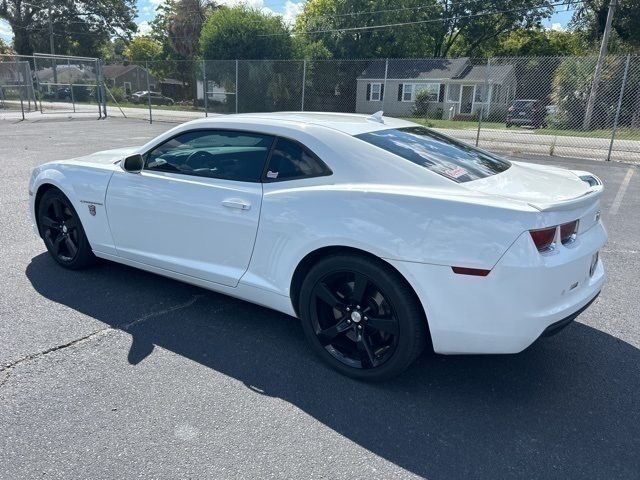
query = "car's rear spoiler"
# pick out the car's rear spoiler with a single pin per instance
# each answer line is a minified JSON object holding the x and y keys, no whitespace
{"x":593,"y":193}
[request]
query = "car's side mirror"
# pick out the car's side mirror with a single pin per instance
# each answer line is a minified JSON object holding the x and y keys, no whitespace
{"x":133,"y":163}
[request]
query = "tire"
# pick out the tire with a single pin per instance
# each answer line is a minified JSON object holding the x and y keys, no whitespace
{"x":60,"y":228}
{"x":361,"y":317}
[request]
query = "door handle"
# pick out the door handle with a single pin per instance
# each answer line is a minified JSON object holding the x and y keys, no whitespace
{"x":235,"y":203}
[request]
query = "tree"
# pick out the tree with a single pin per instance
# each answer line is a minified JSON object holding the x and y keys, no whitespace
{"x":591,"y":16}
{"x":4,"y":48}
{"x":80,"y":27}
{"x":244,"y":33}
{"x":434,"y":28}
{"x":537,"y":42}
{"x":142,"y":49}
{"x":185,"y":25}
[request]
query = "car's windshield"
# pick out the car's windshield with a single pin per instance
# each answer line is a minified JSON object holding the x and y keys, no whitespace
{"x":439,"y":153}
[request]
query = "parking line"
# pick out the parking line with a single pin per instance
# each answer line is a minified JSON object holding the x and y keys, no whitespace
{"x":621,"y":191}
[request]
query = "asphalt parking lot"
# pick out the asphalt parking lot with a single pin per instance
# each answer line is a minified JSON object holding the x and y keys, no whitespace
{"x":116,"y":373}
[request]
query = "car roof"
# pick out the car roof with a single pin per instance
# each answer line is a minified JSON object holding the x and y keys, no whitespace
{"x":349,"y":123}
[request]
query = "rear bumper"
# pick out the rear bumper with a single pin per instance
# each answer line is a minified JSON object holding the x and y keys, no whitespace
{"x":523,"y":121}
{"x":525,"y":295}
{"x":561,"y":324}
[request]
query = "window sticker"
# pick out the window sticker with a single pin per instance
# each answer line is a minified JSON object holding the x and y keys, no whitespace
{"x":271,"y":174}
{"x":456,"y":172}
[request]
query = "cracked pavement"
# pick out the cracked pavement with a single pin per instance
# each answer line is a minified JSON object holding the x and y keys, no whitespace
{"x":117,"y":373}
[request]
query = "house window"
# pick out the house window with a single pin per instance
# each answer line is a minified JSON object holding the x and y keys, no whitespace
{"x":453,"y":93}
{"x":410,"y":91}
{"x":152,"y":87}
{"x":407,"y":92}
{"x":497,"y":91}
{"x":127,"y":88}
{"x":375,"y":92}
{"x":479,"y":96}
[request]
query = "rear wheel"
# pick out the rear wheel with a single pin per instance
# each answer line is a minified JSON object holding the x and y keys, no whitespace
{"x":62,"y":232}
{"x":361,"y":317}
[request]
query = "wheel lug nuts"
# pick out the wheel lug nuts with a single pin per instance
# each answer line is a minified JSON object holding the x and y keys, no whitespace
{"x":348,"y":322}
{"x":359,"y":327}
{"x":366,"y":318}
{"x":348,"y":309}
{"x":358,"y":307}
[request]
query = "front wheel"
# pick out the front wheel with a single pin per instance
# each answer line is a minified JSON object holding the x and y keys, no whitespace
{"x":62,"y":232}
{"x":361,"y":317}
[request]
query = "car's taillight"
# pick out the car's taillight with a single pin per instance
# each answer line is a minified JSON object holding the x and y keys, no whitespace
{"x":543,"y":238}
{"x":568,"y":232}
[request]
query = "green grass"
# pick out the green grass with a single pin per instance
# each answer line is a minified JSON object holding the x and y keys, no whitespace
{"x":454,"y":124}
{"x":621,"y":134}
{"x":185,"y":108}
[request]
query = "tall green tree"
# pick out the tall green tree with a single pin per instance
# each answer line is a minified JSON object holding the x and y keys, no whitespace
{"x":244,"y":33}
{"x":80,"y":26}
{"x":185,"y":24}
{"x":143,"y":49}
{"x":591,"y":16}
{"x":537,"y":42}
{"x":432,"y":28}
{"x":4,"y":47}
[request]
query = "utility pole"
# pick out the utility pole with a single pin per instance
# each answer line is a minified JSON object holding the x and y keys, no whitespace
{"x":52,"y":46}
{"x":598,"y":73}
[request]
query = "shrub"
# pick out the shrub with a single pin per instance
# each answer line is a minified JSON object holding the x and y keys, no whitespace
{"x":118,"y":94}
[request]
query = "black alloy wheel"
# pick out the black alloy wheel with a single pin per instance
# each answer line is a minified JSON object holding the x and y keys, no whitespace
{"x":353,"y":320}
{"x":62,"y":232}
{"x":361,"y":317}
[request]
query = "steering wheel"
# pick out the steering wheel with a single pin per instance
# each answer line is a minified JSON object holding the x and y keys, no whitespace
{"x":200,"y":158}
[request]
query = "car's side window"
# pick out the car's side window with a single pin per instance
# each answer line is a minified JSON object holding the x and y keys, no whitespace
{"x":290,"y":160}
{"x":229,"y":155}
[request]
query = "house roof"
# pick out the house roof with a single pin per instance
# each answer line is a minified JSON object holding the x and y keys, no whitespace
{"x":430,"y":68}
{"x":117,"y":69}
{"x":497,"y":73}
{"x":66,"y":74}
{"x":435,"y":69}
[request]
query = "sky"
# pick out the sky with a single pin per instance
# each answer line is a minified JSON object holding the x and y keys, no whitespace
{"x":287,"y":8}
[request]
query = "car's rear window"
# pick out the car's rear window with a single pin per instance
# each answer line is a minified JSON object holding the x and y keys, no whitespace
{"x":439,"y":153}
{"x":524,"y":103}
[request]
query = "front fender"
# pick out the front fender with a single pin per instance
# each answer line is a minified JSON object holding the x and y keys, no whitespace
{"x":83,"y":186}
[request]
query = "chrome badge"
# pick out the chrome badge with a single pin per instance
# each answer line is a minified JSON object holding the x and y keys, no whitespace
{"x":92,"y":209}
{"x":598,"y":215}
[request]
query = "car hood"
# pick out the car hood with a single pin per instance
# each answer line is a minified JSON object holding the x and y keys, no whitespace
{"x":541,"y":186}
{"x":105,"y":157}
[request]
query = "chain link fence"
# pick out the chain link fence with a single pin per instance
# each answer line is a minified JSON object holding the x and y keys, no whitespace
{"x":51,"y":84}
{"x":516,"y":105}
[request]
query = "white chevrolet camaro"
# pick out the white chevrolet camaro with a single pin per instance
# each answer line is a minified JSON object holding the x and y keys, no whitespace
{"x":382,"y":236}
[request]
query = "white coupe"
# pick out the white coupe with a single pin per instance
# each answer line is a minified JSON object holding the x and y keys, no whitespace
{"x":382,"y":236}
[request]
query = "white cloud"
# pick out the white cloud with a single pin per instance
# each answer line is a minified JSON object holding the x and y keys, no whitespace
{"x":557,"y":27}
{"x":144,"y":28}
{"x":291,"y":11}
{"x":257,"y":4}
{"x":5,"y":31}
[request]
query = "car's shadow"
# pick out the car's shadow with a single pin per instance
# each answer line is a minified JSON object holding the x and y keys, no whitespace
{"x":567,"y":407}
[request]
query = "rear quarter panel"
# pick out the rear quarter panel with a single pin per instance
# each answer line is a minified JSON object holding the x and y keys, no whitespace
{"x":396,"y":223}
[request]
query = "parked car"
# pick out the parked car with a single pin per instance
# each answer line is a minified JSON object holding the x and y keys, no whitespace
{"x":63,"y":93}
{"x":156,"y":98}
{"x":382,"y":236}
{"x":527,"y":113}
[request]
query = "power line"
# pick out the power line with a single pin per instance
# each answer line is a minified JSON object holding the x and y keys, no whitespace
{"x":416,"y":22}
